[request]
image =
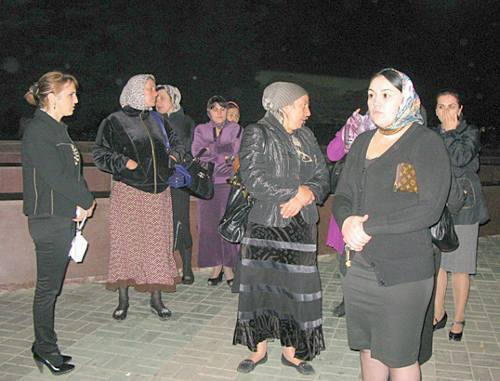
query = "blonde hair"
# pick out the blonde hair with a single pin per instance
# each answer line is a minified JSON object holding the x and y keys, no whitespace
{"x":50,"y":82}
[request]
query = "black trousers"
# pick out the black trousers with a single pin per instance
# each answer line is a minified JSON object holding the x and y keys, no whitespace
{"x":52,"y":236}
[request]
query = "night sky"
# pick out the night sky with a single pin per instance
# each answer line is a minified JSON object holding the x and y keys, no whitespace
{"x":216,"y":47}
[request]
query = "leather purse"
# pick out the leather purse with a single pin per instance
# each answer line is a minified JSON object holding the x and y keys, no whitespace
{"x":406,"y":178}
{"x":239,"y":203}
{"x":202,"y":183}
{"x":443,"y":233}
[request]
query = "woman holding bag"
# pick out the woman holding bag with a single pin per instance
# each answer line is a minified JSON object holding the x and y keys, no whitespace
{"x":55,"y":196}
{"x":462,"y":142}
{"x":218,"y":141}
{"x":282,"y":167}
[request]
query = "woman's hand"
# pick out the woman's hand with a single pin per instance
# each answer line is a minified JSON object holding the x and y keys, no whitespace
{"x":354,"y":234}
{"x":305,"y":195}
{"x":84,"y":213}
{"x":80,"y":214}
{"x":131,"y":164}
{"x":90,"y":211}
{"x":449,"y":119}
{"x":291,"y":207}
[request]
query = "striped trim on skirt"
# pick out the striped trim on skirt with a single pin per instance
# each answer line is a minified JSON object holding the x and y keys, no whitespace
{"x":279,"y":288}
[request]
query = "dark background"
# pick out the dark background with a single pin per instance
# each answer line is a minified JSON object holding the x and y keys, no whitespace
{"x":216,"y":47}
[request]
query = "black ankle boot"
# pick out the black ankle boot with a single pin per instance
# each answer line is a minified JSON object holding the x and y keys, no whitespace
{"x":120,"y":313}
{"x":157,"y":306}
{"x":187,"y":271}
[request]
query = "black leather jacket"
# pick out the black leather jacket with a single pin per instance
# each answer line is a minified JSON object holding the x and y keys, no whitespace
{"x":133,"y":134}
{"x":272,"y":170}
{"x":463,"y":146}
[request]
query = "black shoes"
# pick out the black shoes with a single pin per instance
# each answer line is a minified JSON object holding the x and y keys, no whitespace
{"x":303,"y":368}
{"x":55,"y":370}
{"x":230,"y":282}
{"x":247,"y":365}
{"x":440,"y":323}
{"x":339,"y":310}
{"x":66,"y":358}
{"x":120,"y":313}
{"x":217,"y":280}
{"x":188,"y":279}
{"x":162,"y":311}
{"x":454,"y":335}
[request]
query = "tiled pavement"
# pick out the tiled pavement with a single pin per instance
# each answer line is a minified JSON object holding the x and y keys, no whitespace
{"x":195,"y":344}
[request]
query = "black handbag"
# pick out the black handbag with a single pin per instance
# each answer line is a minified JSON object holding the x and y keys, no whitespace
{"x":335,"y":171}
{"x":239,"y":203}
{"x":202,"y":183}
{"x":443,"y":233}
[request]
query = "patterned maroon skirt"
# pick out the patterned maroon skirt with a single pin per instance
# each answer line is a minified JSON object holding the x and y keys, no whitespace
{"x":141,"y":234}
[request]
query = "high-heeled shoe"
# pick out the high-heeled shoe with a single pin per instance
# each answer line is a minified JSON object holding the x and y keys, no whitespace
{"x":440,"y":323}
{"x":456,"y":336}
{"x":215,"y":281}
{"x":120,"y":313}
{"x":66,"y":358}
{"x":56,"y":370}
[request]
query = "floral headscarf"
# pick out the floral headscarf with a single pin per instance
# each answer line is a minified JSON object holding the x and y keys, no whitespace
{"x":133,"y":93}
{"x":174,"y":94}
{"x":409,"y":111}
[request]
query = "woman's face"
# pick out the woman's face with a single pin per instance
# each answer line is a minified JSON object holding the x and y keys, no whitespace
{"x":384,"y":101}
{"x":296,"y":114}
{"x":218,"y":113}
{"x":447,"y":103}
{"x":233,"y":115}
{"x":163,"y":102}
{"x":65,"y":100}
{"x":150,"y":93}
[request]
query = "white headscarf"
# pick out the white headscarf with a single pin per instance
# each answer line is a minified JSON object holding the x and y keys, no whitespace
{"x":133,"y":93}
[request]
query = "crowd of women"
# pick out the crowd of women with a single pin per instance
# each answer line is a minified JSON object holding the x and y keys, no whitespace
{"x":397,"y":178}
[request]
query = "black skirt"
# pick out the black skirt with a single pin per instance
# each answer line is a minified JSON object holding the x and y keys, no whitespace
{"x":279,"y":288}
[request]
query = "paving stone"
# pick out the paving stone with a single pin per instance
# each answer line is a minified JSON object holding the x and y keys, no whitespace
{"x":195,"y":344}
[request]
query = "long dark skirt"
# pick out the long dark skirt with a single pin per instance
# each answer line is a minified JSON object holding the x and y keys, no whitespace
{"x":213,"y":250}
{"x":279,"y":288}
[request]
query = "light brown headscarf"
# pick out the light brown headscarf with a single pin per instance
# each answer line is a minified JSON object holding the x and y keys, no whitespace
{"x":133,"y":93}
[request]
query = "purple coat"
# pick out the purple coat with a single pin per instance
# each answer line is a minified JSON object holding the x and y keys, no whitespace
{"x":335,"y":151}
{"x":221,"y":149}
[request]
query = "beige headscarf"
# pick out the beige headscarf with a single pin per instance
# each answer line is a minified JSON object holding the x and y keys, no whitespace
{"x":174,"y":94}
{"x":133,"y":93}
